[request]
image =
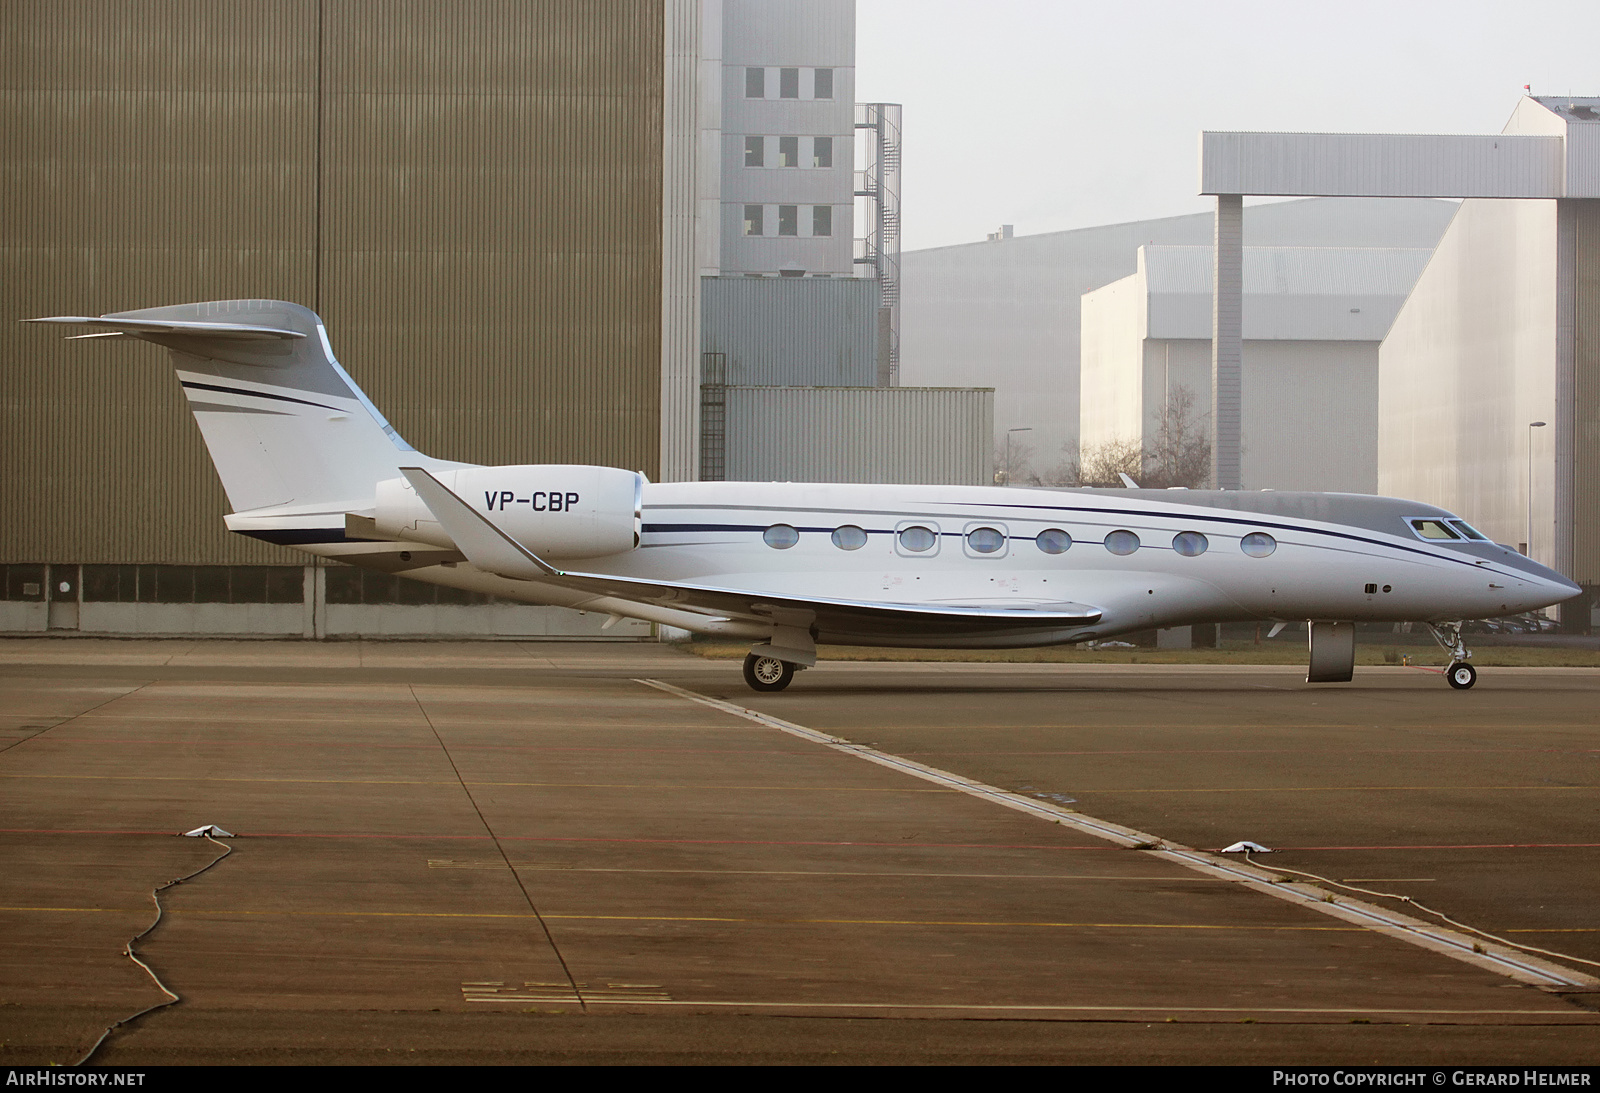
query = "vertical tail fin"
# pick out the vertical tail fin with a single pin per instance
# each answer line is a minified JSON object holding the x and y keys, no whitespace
{"x":284,"y":423}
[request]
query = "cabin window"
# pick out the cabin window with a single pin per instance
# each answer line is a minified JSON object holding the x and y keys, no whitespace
{"x":1191,"y":544}
{"x":985,"y":540}
{"x":1122,"y":543}
{"x":849,"y":537}
{"x":1258,"y":544}
{"x":917,"y":539}
{"x":1053,"y":541}
{"x":1435,"y":530}
{"x":780,"y":536}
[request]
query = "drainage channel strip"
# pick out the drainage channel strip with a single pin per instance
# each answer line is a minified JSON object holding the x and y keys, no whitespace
{"x":1499,"y":959}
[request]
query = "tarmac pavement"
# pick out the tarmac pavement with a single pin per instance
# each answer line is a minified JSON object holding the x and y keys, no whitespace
{"x":519,"y":852}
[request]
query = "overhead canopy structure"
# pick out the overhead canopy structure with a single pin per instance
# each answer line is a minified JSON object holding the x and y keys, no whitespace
{"x":1386,"y":165}
{"x":1550,"y":151}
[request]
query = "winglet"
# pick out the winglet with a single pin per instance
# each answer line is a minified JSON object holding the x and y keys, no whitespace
{"x":485,"y":545}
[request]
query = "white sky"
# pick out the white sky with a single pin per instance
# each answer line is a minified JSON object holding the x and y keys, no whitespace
{"x":1068,"y":114}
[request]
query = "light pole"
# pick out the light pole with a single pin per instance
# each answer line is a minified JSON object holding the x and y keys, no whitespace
{"x":1006,"y":470}
{"x":1527,"y":546}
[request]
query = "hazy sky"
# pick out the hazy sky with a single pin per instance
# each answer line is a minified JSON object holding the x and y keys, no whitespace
{"x":1063,"y":115}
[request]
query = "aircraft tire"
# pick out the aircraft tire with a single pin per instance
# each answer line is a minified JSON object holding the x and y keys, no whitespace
{"x":1461,"y":675}
{"x":767,"y":673}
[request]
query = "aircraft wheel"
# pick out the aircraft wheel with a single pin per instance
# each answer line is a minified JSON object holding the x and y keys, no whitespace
{"x":767,"y":673}
{"x":1461,"y":675}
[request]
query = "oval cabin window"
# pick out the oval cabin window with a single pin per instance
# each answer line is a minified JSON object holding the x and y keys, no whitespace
{"x":780,"y":536}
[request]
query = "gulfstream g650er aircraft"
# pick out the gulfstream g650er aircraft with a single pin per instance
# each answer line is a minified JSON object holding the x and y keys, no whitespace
{"x":308,"y":461}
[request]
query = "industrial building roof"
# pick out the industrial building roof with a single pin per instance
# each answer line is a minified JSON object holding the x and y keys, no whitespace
{"x":1307,"y":271}
{"x":1290,"y":293}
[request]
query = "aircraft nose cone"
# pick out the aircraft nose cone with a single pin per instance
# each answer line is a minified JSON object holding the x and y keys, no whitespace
{"x":1550,"y":588}
{"x":1564,"y":588}
{"x":1543,"y":582}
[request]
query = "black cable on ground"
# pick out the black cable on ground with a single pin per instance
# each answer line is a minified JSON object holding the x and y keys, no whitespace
{"x":172,"y":996}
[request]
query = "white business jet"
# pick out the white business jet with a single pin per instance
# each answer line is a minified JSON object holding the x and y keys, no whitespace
{"x":308,"y":461}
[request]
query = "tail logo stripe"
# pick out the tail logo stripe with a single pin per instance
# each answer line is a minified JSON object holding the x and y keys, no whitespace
{"x":259,"y":394}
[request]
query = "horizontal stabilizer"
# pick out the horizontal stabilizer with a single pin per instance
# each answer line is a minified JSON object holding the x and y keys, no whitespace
{"x":283,"y":421}
{"x":139,"y":327}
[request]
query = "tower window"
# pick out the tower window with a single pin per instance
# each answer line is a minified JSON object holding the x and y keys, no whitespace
{"x":788,"y":151}
{"x":822,"y":220}
{"x":822,"y":151}
{"x":788,"y":83}
{"x":755,"y":151}
{"x":755,"y":83}
{"x":752,"y":220}
{"x":788,"y":220}
{"x":824,"y":84}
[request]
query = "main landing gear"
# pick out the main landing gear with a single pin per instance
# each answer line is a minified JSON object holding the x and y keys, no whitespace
{"x":1460,"y":674}
{"x":792,"y":648}
{"x":767,"y":673}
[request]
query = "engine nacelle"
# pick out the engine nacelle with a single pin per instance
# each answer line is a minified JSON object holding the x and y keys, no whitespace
{"x":556,"y":511}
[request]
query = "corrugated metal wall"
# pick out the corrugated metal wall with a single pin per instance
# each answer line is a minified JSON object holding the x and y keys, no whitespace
{"x":680,"y":262}
{"x":931,"y":435}
{"x":471,"y":195}
{"x":1381,"y":165}
{"x":1586,"y":398}
{"x":797,"y":331}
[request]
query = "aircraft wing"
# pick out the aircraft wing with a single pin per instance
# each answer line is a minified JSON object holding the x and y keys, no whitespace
{"x":489,"y":548}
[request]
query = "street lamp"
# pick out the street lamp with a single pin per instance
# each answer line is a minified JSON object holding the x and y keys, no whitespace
{"x":1007,"y":469}
{"x":1527,"y":546}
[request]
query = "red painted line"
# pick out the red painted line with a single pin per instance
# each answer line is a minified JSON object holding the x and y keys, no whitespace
{"x":1278,"y":751}
{"x":777,"y":842}
{"x":1451,"y":846}
{"x":211,"y":740}
{"x":574,"y":839}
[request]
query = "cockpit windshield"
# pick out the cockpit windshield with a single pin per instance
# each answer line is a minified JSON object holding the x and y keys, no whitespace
{"x":1439,"y":529}
{"x":1469,"y":531}
{"x":1434,"y":530}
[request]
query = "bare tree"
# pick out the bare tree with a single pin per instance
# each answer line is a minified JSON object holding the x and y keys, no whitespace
{"x":1066,"y":472}
{"x":1104,"y":464}
{"x":1180,"y":452}
{"x":1018,"y":469}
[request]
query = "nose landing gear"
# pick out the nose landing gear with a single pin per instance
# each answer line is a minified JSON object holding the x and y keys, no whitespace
{"x":1460,"y":674}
